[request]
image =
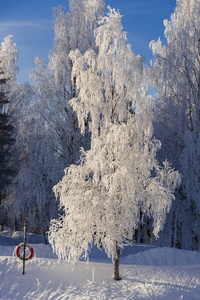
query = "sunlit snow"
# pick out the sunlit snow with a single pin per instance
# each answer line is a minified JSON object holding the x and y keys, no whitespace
{"x":148,"y":273}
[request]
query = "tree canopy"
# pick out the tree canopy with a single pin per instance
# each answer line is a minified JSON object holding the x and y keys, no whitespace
{"x":104,"y":195}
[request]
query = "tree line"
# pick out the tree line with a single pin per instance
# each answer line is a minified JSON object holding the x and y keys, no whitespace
{"x":123,"y":164}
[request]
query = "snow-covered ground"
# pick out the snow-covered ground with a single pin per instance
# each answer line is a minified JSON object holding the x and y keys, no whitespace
{"x":147,"y":273}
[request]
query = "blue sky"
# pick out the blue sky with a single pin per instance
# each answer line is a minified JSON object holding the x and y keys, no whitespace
{"x":30,"y":23}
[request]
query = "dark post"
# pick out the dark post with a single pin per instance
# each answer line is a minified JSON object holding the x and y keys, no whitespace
{"x":24,"y":247}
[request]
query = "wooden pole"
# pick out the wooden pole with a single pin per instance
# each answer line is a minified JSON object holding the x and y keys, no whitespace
{"x":23,"y":272}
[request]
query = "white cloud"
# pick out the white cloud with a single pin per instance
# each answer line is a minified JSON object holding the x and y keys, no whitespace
{"x":18,"y":24}
{"x":24,"y":30}
{"x":17,"y":28}
{"x":15,"y":24}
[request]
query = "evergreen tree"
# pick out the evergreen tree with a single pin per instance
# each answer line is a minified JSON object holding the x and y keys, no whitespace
{"x":6,"y":142}
{"x":8,"y":69}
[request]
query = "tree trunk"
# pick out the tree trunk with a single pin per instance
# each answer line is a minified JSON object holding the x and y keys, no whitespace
{"x":116,"y":264}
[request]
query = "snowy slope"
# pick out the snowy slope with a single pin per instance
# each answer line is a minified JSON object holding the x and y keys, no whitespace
{"x":157,"y":273}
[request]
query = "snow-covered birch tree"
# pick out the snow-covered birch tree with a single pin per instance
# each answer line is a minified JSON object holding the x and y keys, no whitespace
{"x":48,"y":137}
{"x":52,"y":83}
{"x":8,"y":59}
{"x":102,"y":197}
{"x":176,"y":72}
{"x":73,"y":30}
{"x":31,"y":194}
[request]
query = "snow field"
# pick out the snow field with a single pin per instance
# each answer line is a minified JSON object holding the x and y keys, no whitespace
{"x":157,"y":273}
